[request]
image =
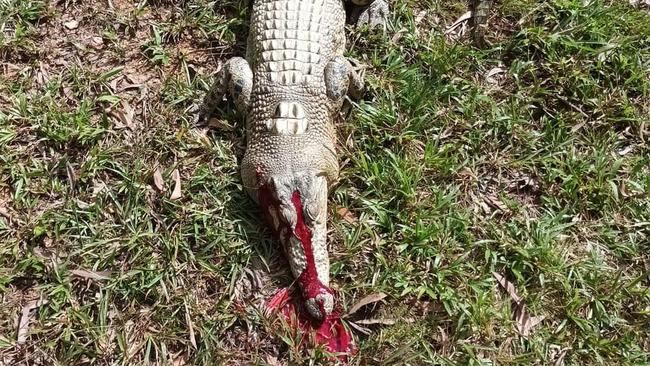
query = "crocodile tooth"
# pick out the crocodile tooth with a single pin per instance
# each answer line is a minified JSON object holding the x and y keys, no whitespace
{"x":292,"y":126}
{"x":280,"y":126}
{"x":283,"y":110}
{"x":297,"y":111}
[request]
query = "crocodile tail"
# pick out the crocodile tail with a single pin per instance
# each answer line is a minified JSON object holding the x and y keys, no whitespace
{"x":480,"y":13}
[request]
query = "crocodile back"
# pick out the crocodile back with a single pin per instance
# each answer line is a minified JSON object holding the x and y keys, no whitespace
{"x":290,"y":121}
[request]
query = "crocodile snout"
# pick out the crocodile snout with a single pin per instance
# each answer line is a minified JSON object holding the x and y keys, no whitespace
{"x":320,"y":306}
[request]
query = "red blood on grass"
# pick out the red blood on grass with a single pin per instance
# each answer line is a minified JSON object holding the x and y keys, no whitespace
{"x":329,"y":331}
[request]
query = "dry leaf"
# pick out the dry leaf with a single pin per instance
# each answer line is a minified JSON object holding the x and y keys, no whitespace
{"x":273,"y":361}
{"x":128,"y":115}
{"x":495,"y":202}
{"x":628,"y":149}
{"x":508,"y":286}
{"x":361,"y":329}
{"x":347,"y":215}
{"x":158,"y":180}
{"x":463,"y":18}
{"x":23,"y":323}
{"x":524,"y":322}
{"x":176,"y":194}
{"x":5,"y":213}
{"x":188,"y":320}
{"x":220,"y":124}
{"x":559,"y":361}
{"x":492,"y":76}
{"x":443,"y":335}
{"x":180,"y":360}
{"x":73,"y":24}
{"x":93,"y":275}
{"x":372,"y":298}
{"x":72,"y":176}
{"x":376,"y":321}
{"x":97,"y":42}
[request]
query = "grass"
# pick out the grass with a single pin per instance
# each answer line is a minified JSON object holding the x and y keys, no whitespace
{"x":539,"y":172}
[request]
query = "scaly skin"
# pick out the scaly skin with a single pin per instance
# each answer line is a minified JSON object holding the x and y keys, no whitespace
{"x":481,"y":12}
{"x":291,"y":88}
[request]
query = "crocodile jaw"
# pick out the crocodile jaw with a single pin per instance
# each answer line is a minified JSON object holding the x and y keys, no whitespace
{"x":296,"y":209}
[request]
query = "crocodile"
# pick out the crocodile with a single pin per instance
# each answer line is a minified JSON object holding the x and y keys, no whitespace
{"x":291,"y":88}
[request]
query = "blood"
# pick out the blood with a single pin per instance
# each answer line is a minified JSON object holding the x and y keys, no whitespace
{"x":309,"y":282}
{"x":328,"y":331}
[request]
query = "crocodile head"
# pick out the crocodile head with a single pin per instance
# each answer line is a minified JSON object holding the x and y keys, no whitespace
{"x":296,"y":209}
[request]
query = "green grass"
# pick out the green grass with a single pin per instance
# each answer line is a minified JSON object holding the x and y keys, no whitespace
{"x":541,"y":174}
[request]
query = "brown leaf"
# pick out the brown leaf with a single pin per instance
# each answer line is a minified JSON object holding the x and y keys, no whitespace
{"x":559,"y":360}
{"x":273,"y":361}
{"x":444,"y":338}
{"x":93,"y":275}
{"x":72,"y":176}
{"x":361,"y":329}
{"x":176,"y":194}
{"x":128,"y":115}
{"x":23,"y":323}
{"x":376,"y":321}
{"x":97,"y":42}
{"x":524,"y":322}
{"x":180,"y":360}
{"x":347,"y":215}
{"x":190,"y":327}
{"x":508,"y":286}
{"x":492,"y":76}
{"x":5,"y":213}
{"x":372,"y":298}
{"x":72,"y":24}
{"x":495,"y":202}
{"x":158,"y":180}
{"x":462,"y":19}
{"x":220,"y":124}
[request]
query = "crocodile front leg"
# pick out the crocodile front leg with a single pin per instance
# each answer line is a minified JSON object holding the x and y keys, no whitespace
{"x":343,"y":78}
{"x":235,"y":80}
{"x":373,"y":13}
